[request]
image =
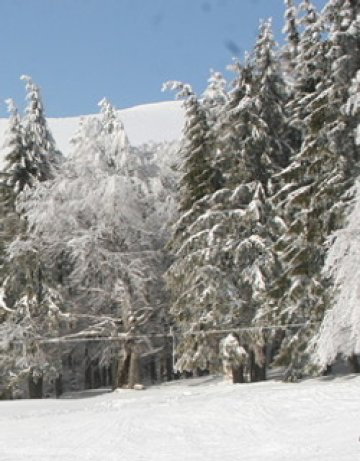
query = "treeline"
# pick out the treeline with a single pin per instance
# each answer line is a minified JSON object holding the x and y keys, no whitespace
{"x":238,"y":259}
{"x":267,"y":174}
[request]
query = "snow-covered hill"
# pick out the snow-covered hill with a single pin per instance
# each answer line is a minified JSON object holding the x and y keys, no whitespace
{"x":157,"y":122}
{"x":192,"y":420}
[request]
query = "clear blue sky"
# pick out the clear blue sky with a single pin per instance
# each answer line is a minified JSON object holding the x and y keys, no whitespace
{"x":79,"y":51}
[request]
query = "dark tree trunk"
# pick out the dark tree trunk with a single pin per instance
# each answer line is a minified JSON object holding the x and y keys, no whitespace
{"x":252,"y":366}
{"x":122,"y":378}
{"x":261,"y":372}
{"x":134,"y":369}
{"x":238,"y":374}
{"x":354,"y":364}
{"x":35,"y":386}
{"x":58,"y":386}
{"x":152,"y":370}
{"x":40,"y":285}
{"x":257,"y":372}
{"x":327,"y":371}
{"x":169,"y":367}
{"x":114,"y":372}
{"x":88,"y":374}
{"x":96,"y":375}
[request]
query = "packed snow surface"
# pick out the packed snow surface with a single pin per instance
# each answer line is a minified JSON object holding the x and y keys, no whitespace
{"x":198,"y":419}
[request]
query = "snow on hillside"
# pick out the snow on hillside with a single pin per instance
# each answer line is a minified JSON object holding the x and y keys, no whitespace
{"x":151,"y":122}
{"x":192,"y":420}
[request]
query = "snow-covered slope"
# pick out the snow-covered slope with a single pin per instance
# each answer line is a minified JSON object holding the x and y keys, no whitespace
{"x":151,"y":122}
{"x":192,"y":420}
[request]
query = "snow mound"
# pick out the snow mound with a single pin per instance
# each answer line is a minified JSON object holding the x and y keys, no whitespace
{"x":158,"y":122}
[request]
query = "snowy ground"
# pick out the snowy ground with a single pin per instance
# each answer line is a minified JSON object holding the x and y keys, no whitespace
{"x":201,"y":419}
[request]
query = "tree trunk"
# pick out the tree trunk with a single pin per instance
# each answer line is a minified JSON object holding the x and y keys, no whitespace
{"x":238,"y":374}
{"x":39,"y":285}
{"x":257,"y":372}
{"x":252,"y":366}
{"x":123,"y":371}
{"x":354,"y":364}
{"x":88,"y":375}
{"x":327,"y":371}
{"x":58,"y":386}
{"x":134,"y":369}
{"x":35,"y":386}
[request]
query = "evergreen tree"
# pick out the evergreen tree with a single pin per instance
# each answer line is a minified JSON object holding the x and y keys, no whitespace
{"x":38,"y":140}
{"x":339,"y":332}
{"x":339,"y":329}
{"x":117,"y":151}
{"x":30,"y":158}
{"x":270,"y":98}
{"x":15,"y":176}
{"x":18,"y":172}
{"x":192,"y":280}
{"x":198,"y":174}
{"x":225,"y":261}
{"x":214,"y":97}
{"x":291,"y":32}
{"x":314,"y":194}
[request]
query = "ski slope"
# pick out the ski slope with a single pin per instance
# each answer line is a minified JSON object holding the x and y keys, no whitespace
{"x":158,"y":122}
{"x":193,"y":420}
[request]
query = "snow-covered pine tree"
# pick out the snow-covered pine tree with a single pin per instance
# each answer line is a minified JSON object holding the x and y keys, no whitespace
{"x":18,"y":171}
{"x":235,"y":123}
{"x":196,"y":282}
{"x":15,"y":176}
{"x":310,"y":67}
{"x":34,"y":161}
{"x":214,"y":97}
{"x":298,"y":293}
{"x":253,"y":130}
{"x":29,"y":159}
{"x":225,"y":260}
{"x":314,"y":195}
{"x":340,"y":330}
{"x":270,"y":96}
{"x":264,"y":150}
{"x":291,"y":32}
{"x":38,"y":140}
{"x":118,"y":150}
{"x":198,"y":173}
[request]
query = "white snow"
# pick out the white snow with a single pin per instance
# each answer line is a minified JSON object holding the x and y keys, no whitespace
{"x":193,"y":420}
{"x":156,"y":122}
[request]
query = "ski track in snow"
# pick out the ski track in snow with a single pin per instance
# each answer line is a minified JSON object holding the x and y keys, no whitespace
{"x":200,"y":419}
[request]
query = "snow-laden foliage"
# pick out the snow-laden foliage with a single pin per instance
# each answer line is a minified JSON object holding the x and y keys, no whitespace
{"x":221,"y":245}
{"x":216,"y":277}
{"x":233,"y":355}
{"x":199,"y":176}
{"x":18,"y":171}
{"x":291,"y":31}
{"x":95,"y":223}
{"x":97,"y":236}
{"x":340,"y":330}
{"x":314,"y":188}
{"x":38,"y":140}
{"x":261,"y":180}
{"x":215,"y":96}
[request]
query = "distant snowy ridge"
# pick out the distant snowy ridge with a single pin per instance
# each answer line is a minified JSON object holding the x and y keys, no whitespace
{"x":158,"y":122}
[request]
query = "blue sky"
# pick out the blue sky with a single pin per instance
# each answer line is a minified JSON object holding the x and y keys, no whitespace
{"x":79,"y":51}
